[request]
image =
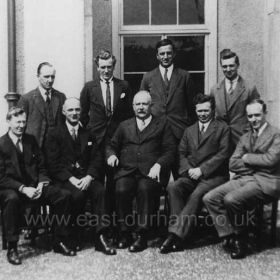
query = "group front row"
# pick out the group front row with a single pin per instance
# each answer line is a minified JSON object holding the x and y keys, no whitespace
{"x":142,"y":153}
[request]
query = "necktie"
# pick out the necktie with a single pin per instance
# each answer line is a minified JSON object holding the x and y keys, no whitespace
{"x":108,"y":100}
{"x":202,"y":131}
{"x":48,"y":100}
{"x":73,"y":134}
{"x":142,"y":125}
{"x":230,"y":90}
{"x":166,"y":81}
{"x":18,"y":145}
{"x":255,"y":136}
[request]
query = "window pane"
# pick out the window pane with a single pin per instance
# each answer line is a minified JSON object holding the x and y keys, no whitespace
{"x":189,"y":52}
{"x":135,"y":12}
{"x":164,"y":12}
{"x":191,"y":12}
{"x":198,"y":79}
{"x":140,"y":54}
{"x":134,"y":81}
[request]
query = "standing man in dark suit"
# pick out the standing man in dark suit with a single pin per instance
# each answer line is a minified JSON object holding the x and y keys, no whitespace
{"x":106,"y":102}
{"x":172,"y":92}
{"x":256,"y":163}
{"x":142,"y":150}
{"x":74,"y":162}
{"x":23,"y":178}
{"x":204,"y":153}
{"x":43,"y":105}
{"x":232,"y":95}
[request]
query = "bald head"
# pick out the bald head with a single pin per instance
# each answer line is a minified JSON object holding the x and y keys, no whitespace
{"x":72,"y":110}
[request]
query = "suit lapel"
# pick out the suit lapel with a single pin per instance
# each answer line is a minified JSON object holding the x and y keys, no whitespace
{"x":240,"y":87}
{"x":39,"y":101}
{"x":266,"y":134}
{"x":13,"y":153}
{"x":175,"y":79}
{"x":221,"y":101}
{"x":150,"y":129}
{"x":158,"y":83}
{"x":212,"y":127}
{"x":132,"y":128}
{"x":194,"y":130}
{"x":84,"y":138}
{"x":55,"y":102}
{"x":117,"y":92}
{"x":67,"y":137}
{"x":27,"y":151}
{"x":97,"y":91}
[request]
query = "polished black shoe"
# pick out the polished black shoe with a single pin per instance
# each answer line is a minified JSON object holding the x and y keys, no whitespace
{"x":173,"y":243}
{"x":13,"y":257}
{"x":30,"y":234}
{"x":63,"y":249}
{"x":139,"y":245}
{"x":228,"y":243}
{"x":238,"y":249}
{"x":102,"y":245}
{"x":125,"y":241}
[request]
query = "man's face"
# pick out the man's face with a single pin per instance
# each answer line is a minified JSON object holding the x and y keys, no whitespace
{"x":17,"y":124}
{"x":142,"y":106}
{"x":72,"y":111}
{"x":230,"y":68}
{"x":255,"y":115}
{"x":46,"y":77}
{"x":165,"y":56}
{"x":204,"y":112}
{"x":105,"y":68}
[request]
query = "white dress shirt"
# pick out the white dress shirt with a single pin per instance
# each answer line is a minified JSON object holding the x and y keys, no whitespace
{"x":169,"y":71}
{"x":70,"y":128}
{"x":43,"y":93}
{"x":234,"y":83}
{"x":140,"y":124}
{"x":15,"y":139}
{"x":204,"y":124}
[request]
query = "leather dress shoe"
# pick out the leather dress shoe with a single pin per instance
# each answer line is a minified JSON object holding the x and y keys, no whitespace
{"x":13,"y":257}
{"x":125,"y":241}
{"x":171,"y":244}
{"x":102,"y":245}
{"x":30,"y":234}
{"x":228,"y":243}
{"x":239,"y":249}
{"x":139,"y":245}
{"x":63,"y":249}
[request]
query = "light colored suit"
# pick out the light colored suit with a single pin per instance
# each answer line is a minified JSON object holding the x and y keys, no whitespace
{"x":257,"y":180}
{"x":234,"y":113}
{"x":34,"y":106}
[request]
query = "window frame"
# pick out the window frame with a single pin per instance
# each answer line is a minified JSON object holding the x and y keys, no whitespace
{"x":208,"y":30}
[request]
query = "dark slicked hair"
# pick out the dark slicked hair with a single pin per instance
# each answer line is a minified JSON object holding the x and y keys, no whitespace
{"x":227,"y":53}
{"x":164,"y":42}
{"x":258,"y":101}
{"x":202,"y":98}
{"x":41,"y":65}
{"x":105,"y":54}
{"x":14,"y":112}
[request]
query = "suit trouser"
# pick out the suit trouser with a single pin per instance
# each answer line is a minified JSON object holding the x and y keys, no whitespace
{"x":228,"y":204}
{"x":97,"y":195}
{"x":185,"y":196}
{"x":146,"y":191}
{"x":12,"y":202}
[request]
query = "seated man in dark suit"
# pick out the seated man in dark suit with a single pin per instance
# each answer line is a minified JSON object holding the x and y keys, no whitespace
{"x":142,"y":150}
{"x":23,"y":178}
{"x":74,"y":162}
{"x":204,"y":153}
{"x":256,"y":163}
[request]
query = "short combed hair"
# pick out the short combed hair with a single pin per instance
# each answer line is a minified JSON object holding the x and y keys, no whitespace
{"x":105,"y":54}
{"x":14,"y":112}
{"x":258,"y":101}
{"x":41,"y":65}
{"x":164,"y":42}
{"x":227,"y":53}
{"x":202,"y":98}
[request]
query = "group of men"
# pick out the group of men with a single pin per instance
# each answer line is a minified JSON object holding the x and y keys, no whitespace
{"x":110,"y":147}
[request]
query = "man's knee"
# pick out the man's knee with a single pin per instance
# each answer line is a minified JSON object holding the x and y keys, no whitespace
{"x":11,"y":197}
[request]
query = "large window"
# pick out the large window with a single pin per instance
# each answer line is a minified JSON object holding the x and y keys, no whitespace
{"x":190,"y":24}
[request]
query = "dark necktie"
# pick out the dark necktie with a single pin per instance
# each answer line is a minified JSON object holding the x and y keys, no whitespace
{"x":108,"y":100}
{"x":166,"y":81}
{"x":202,"y":131}
{"x":230,"y":90}
{"x":18,"y":145}
{"x":255,"y":136}
{"x":48,"y":100}
{"x":73,"y":134}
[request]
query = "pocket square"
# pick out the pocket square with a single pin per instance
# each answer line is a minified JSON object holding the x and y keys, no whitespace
{"x":89,"y":143}
{"x":122,"y":95}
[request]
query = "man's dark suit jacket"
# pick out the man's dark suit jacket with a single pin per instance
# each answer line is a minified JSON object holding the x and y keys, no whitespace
{"x":93,"y":114}
{"x":156,"y":145}
{"x":61,"y":155}
{"x":235,"y":113}
{"x":211,"y":154}
{"x":262,"y":161}
{"x":34,"y":106}
{"x":10,"y":174}
{"x":178,"y":107}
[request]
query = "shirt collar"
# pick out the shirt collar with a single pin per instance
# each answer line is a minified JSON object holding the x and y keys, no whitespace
{"x":43,"y":91}
{"x":204,"y":124}
{"x":233,"y":81}
{"x":262,"y":129}
{"x":104,"y":81}
{"x":70,"y":127}
{"x":162,"y":69}
{"x":147,"y":121}
{"x":14,"y":137}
